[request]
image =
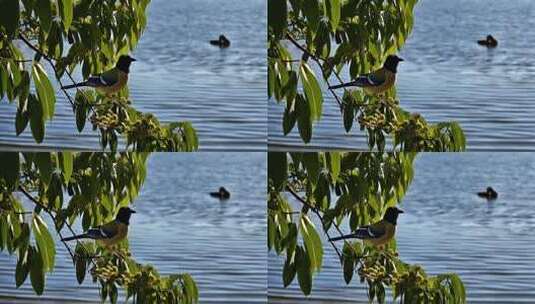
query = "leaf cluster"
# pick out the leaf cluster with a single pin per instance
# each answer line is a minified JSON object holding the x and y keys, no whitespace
{"x":68,"y":34}
{"x":336,"y":36}
{"x":338,"y":189}
{"x":67,"y":187}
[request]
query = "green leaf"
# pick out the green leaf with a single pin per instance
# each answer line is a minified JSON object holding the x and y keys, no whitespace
{"x":43,"y":162}
{"x":44,"y":11}
{"x":9,"y":17}
{"x":190,"y":286}
{"x":277,"y":17}
{"x":277,"y":169}
{"x":349,"y":267}
{"x":311,"y":10}
{"x":304,"y":123}
{"x":311,"y":162}
{"x":334,"y":164}
{"x":312,"y":242}
{"x":288,"y":273}
{"x":44,"y":88}
{"x":349,"y":116}
{"x":21,"y":121}
{"x":66,"y":165}
{"x":22,"y":270}
{"x":66,"y":12}
{"x":81,"y":110}
{"x":288,"y":121}
{"x":45,"y":243}
{"x":37,"y":120}
{"x":312,"y":90}
{"x":37,"y":273}
{"x":190,"y":136}
{"x":112,"y":291}
{"x":10,"y":172}
{"x":332,"y":11}
{"x":304,"y":273}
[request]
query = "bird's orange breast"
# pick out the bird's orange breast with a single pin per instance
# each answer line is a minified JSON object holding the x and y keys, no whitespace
{"x":122,"y":232}
{"x":390,"y":79}
{"x":121,"y":82}
{"x":390,"y":231}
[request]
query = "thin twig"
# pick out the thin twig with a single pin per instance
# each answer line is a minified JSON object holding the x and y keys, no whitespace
{"x":49,"y":59}
{"x":58,"y":78}
{"x":318,"y":62}
{"x":49,"y":212}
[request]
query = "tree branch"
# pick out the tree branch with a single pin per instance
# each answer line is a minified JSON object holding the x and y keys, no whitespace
{"x":317,"y":60}
{"x":58,"y":78}
{"x":49,"y":59}
{"x":318,"y":214}
{"x":49,"y":212}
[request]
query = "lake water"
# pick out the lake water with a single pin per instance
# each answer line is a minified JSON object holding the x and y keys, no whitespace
{"x":179,"y":228}
{"x":447,"y":76}
{"x":180,"y":76}
{"x":446,"y":227}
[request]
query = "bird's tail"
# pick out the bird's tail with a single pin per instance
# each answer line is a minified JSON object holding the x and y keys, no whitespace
{"x":76,"y":85}
{"x":357,"y":83}
{"x":360,"y":233}
{"x":76,"y":237}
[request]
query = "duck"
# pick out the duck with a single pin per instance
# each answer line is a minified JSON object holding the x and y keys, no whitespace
{"x":221,"y":194}
{"x":489,"y":42}
{"x":488,"y":194}
{"x":222,"y":42}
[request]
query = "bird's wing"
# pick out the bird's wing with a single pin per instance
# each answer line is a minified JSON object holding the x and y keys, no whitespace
{"x":106,"y":231}
{"x":373,"y":231}
{"x":377,"y":78}
{"x":373,"y":79}
{"x":109,"y":77}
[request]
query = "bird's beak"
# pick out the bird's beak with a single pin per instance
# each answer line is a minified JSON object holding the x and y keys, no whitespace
{"x":400,"y":59}
{"x":400,"y":211}
{"x":132,"y":59}
{"x":132,"y":211}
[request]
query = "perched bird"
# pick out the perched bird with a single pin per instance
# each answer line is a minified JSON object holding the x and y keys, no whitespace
{"x":379,"y":233}
{"x":489,"y":42}
{"x":110,"y":81}
{"x":108,"y":234}
{"x":379,"y":81}
{"x":488,"y":194}
{"x":221,"y":194}
{"x":222,"y":42}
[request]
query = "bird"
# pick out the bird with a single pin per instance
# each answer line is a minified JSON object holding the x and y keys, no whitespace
{"x":379,"y":233}
{"x":110,"y":233}
{"x":376,"y":82}
{"x":489,"y":42}
{"x":110,"y":81}
{"x":222,"y":42}
{"x":221,"y":194}
{"x":489,"y":194}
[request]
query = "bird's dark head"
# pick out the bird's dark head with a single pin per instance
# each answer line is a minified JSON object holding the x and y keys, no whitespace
{"x":124,"y":63}
{"x":391,"y":63}
{"x":391,"y":215}
{"x":224,"y":192}
{"x":123,"y":216}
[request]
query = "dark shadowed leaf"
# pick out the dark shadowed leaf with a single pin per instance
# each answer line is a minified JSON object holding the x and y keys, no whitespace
{"x":9,"y":17}
{"x":10,"y":172}
{"x":37,"y":273}
{"x":37,"y":121}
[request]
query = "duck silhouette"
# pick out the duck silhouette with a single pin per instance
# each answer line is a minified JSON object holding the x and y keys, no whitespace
{"x":489,"y":42}
{"x":489,"y":194}
{"x":221,"y":194}
{"x":222,"y":42}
